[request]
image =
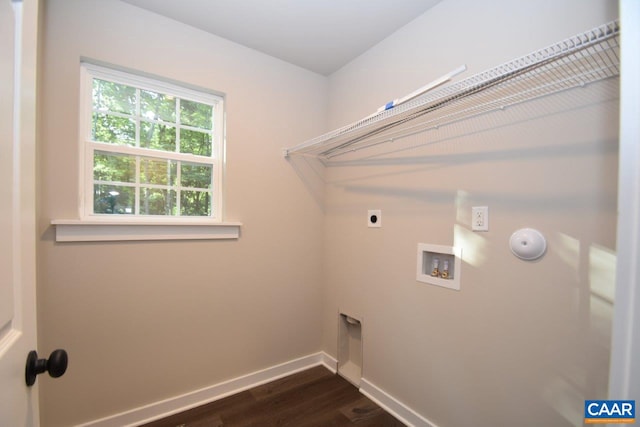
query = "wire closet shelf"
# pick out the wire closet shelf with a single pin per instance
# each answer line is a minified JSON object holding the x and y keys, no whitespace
{"x":575,"y":62}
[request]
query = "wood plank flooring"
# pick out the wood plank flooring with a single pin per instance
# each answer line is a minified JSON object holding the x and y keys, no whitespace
{"x":312,"y":398}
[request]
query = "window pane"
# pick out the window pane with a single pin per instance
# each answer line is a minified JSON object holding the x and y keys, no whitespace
{"x":158,"y":171}
{"x":196,"y":114}
{"x":157,"y":106}
{"x":113,"y":199}
{"x":112,"y":129}
{"x":157,"y":136}
{"x":195,"y":203}
{"x":153,"y":152}
{"x":195,"y":176}
{"x":113,"y":167}
{"x":114,"y":97}
{"x":194,"y":142}
{"x":157,"y":201}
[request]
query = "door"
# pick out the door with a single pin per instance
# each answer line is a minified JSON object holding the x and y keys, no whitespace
{"x":624,"y":379}
{"x":18,"y":36}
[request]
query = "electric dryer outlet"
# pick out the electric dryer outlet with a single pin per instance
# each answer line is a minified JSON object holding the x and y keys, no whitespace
{"x":374,"y":218}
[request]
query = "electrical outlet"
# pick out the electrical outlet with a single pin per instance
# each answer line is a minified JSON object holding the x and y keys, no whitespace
{"x":480,"y":218}
{"x":374,"y":218}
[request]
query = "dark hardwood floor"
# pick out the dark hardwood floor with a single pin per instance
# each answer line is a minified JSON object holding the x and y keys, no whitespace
{"x":312,"y":398}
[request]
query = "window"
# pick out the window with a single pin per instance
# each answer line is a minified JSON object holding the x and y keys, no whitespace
{"x":151,"y":149}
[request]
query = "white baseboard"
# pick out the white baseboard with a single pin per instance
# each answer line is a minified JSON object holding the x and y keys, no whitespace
{"x":209,"y":394}
{"x":393,"y":406}
{"x":329,"y":362}
{"x":174,"y":405}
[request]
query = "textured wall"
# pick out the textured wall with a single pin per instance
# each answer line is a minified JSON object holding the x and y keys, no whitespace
{"x":145,"y":321}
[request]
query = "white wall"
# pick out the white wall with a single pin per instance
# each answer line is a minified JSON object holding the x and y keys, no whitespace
{"x":521,"y":343}
{"x":145,"y":321}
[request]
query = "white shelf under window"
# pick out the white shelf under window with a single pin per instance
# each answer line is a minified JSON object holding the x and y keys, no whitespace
{"x":572,"y":63}
{"x":105,"y":230}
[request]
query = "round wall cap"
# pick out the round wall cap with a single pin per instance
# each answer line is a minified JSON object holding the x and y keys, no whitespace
{"x":528,"y":244}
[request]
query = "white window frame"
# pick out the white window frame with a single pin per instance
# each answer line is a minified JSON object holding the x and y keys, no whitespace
{"x":110,"y":227}
{"x":90,"y":71}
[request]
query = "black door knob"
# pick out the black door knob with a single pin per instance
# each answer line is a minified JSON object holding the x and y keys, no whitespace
{"x":56,"y":365}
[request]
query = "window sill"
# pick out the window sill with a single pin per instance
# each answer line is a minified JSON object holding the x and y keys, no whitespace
{"x":113,"y":231}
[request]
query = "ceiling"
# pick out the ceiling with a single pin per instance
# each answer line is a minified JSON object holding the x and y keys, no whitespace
{"x":319,"y":35}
